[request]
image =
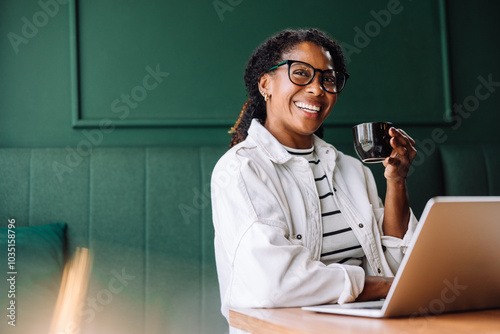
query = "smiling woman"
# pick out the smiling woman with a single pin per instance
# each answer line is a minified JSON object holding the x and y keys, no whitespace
{"x":266,"y":63}
{"x":295,"y":112}
{"x":300,"y":223}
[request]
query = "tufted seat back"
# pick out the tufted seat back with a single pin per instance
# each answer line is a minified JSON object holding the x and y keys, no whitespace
{"x":145,"y":214}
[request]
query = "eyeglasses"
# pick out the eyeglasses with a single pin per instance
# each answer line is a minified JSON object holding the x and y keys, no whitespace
{"x":302,"y":74}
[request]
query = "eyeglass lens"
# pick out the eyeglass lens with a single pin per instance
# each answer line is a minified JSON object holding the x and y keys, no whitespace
{"x":302,"y":74}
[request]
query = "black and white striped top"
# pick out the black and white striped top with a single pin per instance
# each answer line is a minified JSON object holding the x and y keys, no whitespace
{"x":340,"y":245}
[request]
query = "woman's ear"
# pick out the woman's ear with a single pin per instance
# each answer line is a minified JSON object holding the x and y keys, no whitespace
{"x":265,"y":86}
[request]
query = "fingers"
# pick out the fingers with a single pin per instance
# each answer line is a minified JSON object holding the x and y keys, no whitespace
{"x":412,"y":142}
{"x":393,"y":132}
{"x":391,"y":161}
{"x":403,"y":145}
{"x":403,"y":152}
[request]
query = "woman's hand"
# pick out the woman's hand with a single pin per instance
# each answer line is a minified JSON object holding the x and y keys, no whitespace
{"x":397,"y":203}
{"x":403,"y":153}
{"x":375,"y":288}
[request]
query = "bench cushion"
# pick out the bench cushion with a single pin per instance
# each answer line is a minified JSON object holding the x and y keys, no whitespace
{"x":145,"y":213}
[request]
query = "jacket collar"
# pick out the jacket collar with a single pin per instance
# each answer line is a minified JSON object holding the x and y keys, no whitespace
{"x":273,"y":148}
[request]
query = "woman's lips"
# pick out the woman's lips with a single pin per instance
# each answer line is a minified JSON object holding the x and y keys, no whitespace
{"x":310,"y":108}
{"x":311,"y":111}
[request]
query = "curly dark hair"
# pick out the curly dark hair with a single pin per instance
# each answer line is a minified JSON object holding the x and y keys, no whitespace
{"x":267,"y":55}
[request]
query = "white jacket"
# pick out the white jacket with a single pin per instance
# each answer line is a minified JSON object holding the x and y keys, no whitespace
{"x":263,"y":197}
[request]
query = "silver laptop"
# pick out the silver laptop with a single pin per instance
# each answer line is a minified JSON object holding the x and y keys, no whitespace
{"x":452,"y":264}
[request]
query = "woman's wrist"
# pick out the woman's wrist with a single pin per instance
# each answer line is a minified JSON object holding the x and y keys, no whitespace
{"x":375,"y":287}
{"x":397,"y":183}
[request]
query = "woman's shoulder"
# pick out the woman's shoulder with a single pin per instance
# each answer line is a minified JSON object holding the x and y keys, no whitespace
{"x":242,"y":149}
{"x":237,"y":157}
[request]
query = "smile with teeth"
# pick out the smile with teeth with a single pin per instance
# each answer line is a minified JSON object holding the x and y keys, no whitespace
{"x":308,"y":107}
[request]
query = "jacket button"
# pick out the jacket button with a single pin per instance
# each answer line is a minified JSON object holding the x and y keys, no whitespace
{"x":299,"y":236}
{"x":361,"y":225}
{"x":379,"y":271}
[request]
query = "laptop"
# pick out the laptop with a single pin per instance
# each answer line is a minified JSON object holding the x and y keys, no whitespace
{"x":451,"y":265}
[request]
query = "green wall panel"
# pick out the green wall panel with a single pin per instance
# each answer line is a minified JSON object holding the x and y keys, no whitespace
{"x":15,"y":196}
{"x":117,"y":241}
{"x":160,"y":63}
{"x":54,"y":189}
{"x":175,"y":260}
{"x":39,"y":89}
{"x":211,"y":316}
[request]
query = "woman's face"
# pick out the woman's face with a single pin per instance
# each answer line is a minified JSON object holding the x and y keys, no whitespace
{"x":294,"y":112}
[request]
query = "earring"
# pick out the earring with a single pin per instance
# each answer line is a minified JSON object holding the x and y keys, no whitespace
{"x":264,"y":94}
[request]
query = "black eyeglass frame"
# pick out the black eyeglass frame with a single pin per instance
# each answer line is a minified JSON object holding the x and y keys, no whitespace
{"x":289,"y":62}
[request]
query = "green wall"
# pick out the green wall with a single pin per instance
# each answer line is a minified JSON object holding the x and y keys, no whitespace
{"x":63,"y":65}
{"x":67,"y":67}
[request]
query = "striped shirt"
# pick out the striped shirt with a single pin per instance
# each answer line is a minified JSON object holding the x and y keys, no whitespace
{"x":340,"y":245}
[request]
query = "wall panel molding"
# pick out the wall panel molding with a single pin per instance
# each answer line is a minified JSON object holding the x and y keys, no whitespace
{"x":161,"y":64}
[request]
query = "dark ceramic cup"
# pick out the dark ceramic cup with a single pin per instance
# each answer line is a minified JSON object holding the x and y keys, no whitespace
{"x":372,"y":141}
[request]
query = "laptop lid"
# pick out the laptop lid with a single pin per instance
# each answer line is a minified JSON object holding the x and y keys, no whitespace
{"x":451,"y":265}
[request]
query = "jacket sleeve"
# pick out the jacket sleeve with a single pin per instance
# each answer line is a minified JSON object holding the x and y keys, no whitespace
{"x":395,"y":248}
{"x":258,"y":264}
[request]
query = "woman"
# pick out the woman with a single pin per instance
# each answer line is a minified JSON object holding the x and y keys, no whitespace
{"x":296,"y":221}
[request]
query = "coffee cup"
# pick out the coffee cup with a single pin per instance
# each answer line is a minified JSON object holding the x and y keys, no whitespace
{"x":372,"y":141}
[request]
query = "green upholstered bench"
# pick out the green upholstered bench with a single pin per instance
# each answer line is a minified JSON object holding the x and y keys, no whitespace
{"x":145,"y":214}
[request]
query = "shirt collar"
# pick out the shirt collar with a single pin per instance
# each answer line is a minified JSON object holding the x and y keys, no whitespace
{"x":273,"y":148}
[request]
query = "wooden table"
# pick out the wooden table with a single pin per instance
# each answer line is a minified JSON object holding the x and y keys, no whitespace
{"x":298,"y":321}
